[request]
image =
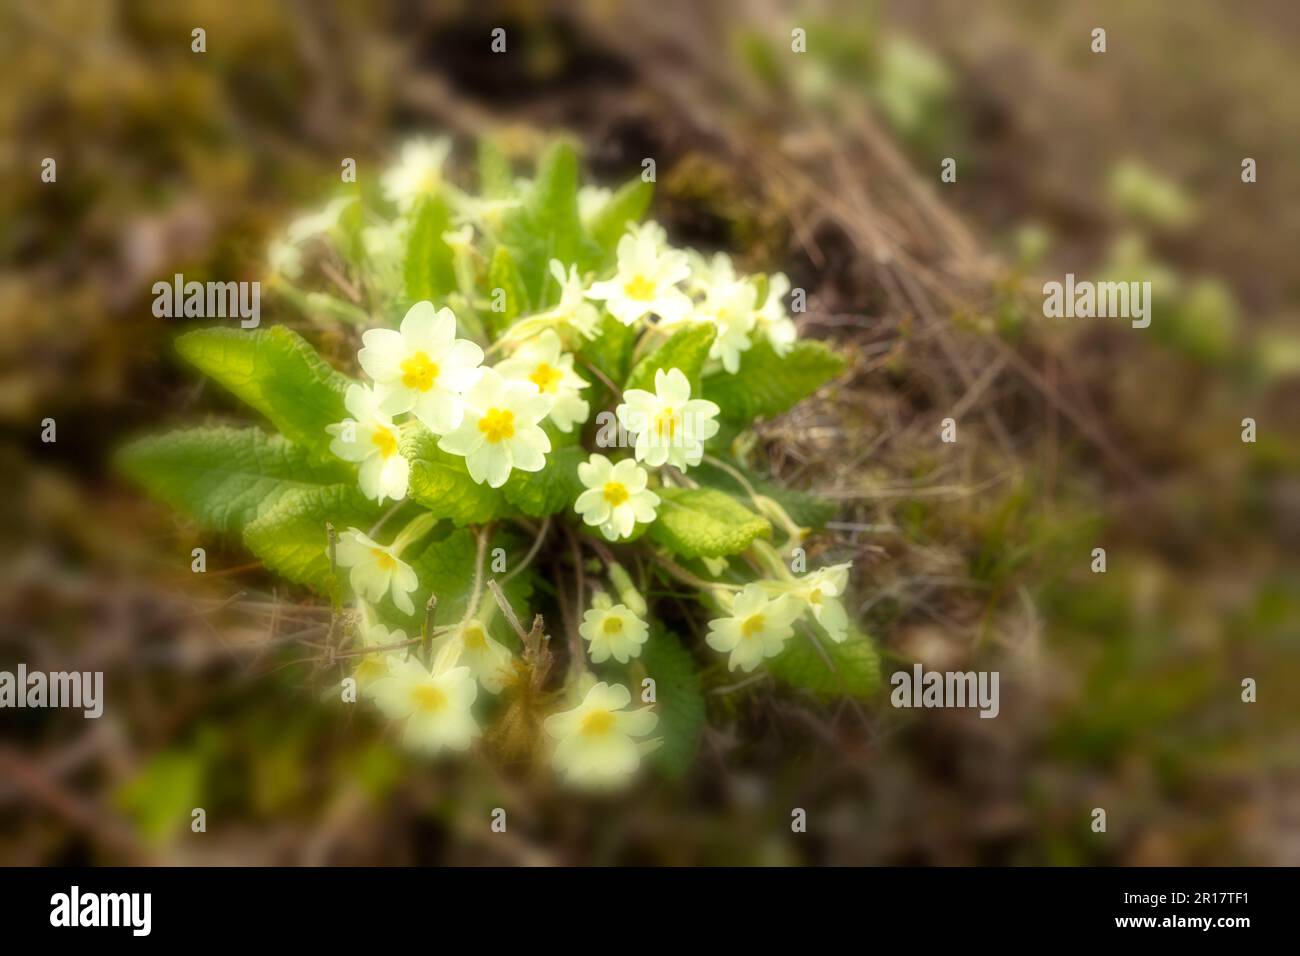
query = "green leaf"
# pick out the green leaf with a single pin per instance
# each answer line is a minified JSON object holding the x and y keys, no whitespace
{"x":290,"y":536}
{"x":504,"y":274}
{"x":495,"y":177}
{"x":428,"y":271}
{"x":686,"y":349}
{"x":611,"y":350}
{"x":626,"y":206}
{"x":551,"y":490}
{"x":220,"y":476}
{"x":160,"y":798}
{"x":440,"y":482}
{"x":679,"y":700}
{"x":545,"y":226}
{"x":826,"y":668}
{"x":806,"y":510}
{"x":768,"y":384}
{"x":704,"y":523}
{"x":275,"y":371}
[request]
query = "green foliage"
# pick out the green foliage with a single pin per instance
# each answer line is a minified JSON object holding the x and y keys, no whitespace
{"x":627,"y":205}
{"x":679,"y":697}
{"x":290,"y":538}
{"x":686,"y":349}
{"x":276,"y":372}
{"x":441,"y":483}
{"x":282,"y":490}
{"x":704,"y":523}
{"x":446,"y":566}
{"x":495,"y":178}
{"x":611,"y":351}
{"x":221,"y":476}
{"x":428,"y":271}
{"x":545,"y":225}
{"x":828,"y":669}
{"x":553,"y":489}
{"x":768,"y":384}
{"x":161,"y":797}
{"x":503,"y":274}
{"x":805,"y":510}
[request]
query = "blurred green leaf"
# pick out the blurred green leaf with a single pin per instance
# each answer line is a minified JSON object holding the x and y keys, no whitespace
{"x":504,"y":274}
{"x":806,"y":510}
{"x":768,"y":384}
{"x":627,"y":205}
{"x":496,"y":178}
{"x":545,"y":226}
{"x":162,"y":797}
{"x":679,"y":702}
{"x":826,"y":668}
{"x":221,"y":476}
{"x":428,"y":271}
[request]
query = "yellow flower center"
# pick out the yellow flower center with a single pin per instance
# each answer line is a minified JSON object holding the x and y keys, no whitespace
{"x":612,"y":625}
{"x":473,"y":638}
{"x":752,"y":626}
{"x":639,"y":288}
{"x":815,"y":597}
{"x":428,"y":699}
{"x":546,"y":377}
{"x":596,"y":723}
{"x":497,"y":424}
{"x":615,"y":493}
{"x":419,"y":372}
{"x":382,"y":558}
{"x":385,"y":441}
{"x":666,"y":421}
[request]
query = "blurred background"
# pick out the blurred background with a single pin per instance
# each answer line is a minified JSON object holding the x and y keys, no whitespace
{"x":1119,"y":690}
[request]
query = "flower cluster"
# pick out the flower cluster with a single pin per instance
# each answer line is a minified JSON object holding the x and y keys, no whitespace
{"x":497,"y":404}
{"x":498,"y":336}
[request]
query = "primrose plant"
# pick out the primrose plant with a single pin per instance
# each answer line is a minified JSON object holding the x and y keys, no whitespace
{"x":540,"y":453}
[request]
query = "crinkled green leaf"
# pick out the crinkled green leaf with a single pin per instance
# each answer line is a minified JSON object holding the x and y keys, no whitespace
{"x":551,"y":490}
{"x":290,"y":536}
{"x":828,"y":669}
{"x":276,"y":372}
{"x":545,"y":226}
{"x":687,"y":349}
{"x":768,"y":384}
{"x":441,"y":483}
{"x":679,"y":702}
{"x":704,"y":523}
{"x":428,"y":270}
{"x":221,"y":476}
